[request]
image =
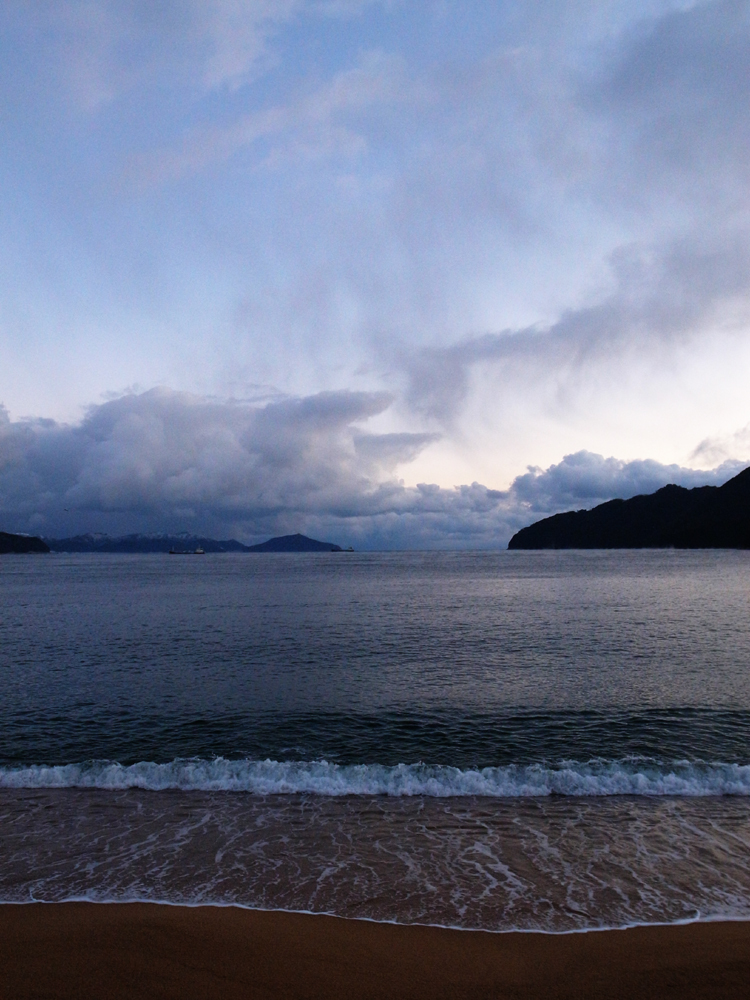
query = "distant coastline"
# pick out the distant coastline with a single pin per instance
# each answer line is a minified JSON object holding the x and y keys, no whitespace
{"x":707,"y":517}
{"x":180,"y":544}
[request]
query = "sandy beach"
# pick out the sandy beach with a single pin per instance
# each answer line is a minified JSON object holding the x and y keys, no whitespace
{"x":145,"y":950}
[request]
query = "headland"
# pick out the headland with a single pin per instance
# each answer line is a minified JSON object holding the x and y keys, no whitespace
{"x":707,"y":517}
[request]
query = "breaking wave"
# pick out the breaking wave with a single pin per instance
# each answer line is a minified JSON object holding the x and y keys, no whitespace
{"x":631,"y":776}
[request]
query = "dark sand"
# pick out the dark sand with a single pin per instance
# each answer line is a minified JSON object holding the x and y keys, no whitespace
{"x":85,"y":950}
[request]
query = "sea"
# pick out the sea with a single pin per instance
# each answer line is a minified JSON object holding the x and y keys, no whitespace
{"x":548,"y":741}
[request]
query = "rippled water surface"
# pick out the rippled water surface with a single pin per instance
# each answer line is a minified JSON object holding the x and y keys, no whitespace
{"x":548,"y":740}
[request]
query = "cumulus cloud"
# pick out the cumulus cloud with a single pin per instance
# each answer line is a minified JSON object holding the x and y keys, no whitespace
{"x":583,"y":480}
{"x":170,"y":461}
{"x":165,"y":456}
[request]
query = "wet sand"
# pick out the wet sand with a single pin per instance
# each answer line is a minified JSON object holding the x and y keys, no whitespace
{"x":144,"y":950}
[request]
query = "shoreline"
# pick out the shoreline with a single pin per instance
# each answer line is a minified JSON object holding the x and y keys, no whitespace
{"x":118,"y":950}
{"x":248,"y":908}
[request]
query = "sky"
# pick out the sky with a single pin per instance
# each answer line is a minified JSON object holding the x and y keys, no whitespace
{"x":395,"y":274}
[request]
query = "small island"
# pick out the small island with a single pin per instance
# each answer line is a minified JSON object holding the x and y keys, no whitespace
{"x":707,"y":517}
{"x":294,"y":543}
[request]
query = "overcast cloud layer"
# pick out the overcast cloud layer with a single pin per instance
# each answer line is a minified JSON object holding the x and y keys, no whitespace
{"x":369,"y":244}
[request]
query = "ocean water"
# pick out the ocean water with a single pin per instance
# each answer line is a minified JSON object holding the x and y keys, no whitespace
{"x":541,"y":740}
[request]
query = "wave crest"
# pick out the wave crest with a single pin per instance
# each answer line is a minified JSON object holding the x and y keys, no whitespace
{"x":270,"y":777}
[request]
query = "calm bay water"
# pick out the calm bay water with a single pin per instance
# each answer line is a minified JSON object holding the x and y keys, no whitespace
{"x":552,"y":740}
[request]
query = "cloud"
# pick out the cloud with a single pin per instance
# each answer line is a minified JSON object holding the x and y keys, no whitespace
{"x":164,"y":457}
{"x":664,"y":296}
{"x":235,"y":35}
{"x":103,"y":49}
{"x":672,"y":101}
{"x":723,"y":447}
{"x":170,"y":461}
{"x":321,"y":122}
{"x":584,"y":480}
{"x":647,"y":137}
{"x":477,"y":517}
{"x":505,"y":216}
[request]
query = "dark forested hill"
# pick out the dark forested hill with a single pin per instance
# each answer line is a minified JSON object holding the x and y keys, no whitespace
{"x":10,"y":544}
{"x":706,"y":517}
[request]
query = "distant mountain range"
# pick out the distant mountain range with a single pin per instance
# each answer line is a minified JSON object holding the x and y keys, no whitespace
{"x":707,"y":517}
{"x":142,"y":543}
{"x":180,"y":543}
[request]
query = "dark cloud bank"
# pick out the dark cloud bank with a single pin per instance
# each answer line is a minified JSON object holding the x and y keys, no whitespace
{"x":169,"y":461}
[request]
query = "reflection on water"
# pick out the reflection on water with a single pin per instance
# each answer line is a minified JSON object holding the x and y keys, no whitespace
{"x":377,"y":655}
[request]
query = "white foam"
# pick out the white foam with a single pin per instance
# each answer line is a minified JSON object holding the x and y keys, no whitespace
{"x":266,"y":777}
